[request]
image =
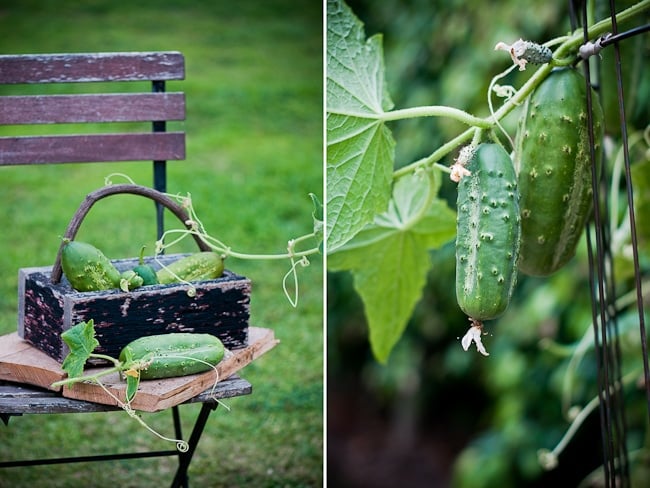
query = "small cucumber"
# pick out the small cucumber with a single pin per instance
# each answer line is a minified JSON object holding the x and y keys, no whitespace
{"x":146,"y":272}
{"x":130,"y":280}
{"x":199,"y":266}
{"x":488,"y":233}
{"x":174,"y":354}
{"x":87,"y":268}
{"x":552,"y":157}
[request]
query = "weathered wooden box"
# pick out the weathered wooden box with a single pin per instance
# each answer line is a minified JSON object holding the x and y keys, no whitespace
{"x":220,"y":307}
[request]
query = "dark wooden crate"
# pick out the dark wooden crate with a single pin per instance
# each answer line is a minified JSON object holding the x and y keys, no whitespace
{"x":220,"y":307}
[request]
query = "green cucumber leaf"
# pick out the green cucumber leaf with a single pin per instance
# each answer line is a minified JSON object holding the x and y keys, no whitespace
{"x":82,"y":342}
{"x":360,"y":148}
{"x":131,"y":373}
{"x":132,"y":383}
{"x":389,"y":259}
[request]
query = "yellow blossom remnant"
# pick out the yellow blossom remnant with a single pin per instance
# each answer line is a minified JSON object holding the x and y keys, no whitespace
{"x":132,"y":372}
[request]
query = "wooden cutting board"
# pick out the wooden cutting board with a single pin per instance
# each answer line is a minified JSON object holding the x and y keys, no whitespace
{"x":23,"y":363}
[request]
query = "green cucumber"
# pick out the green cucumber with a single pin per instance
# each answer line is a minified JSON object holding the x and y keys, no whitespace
{"x":146,"y":272}
{"x":488,"y":233}
{"x":130,"y":280}
{"x":199,"y":266}
{"x":174,"y":354}
{"x":87,"y":268}
{"x":552,"y":158}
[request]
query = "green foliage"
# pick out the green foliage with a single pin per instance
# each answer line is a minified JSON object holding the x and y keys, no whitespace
{"x":641,"y":180}
{"x":542,"y":375}
{"x":389,"y":258}
{"x":82,"y":342}
{"x":359,"y":146}
{"x":254,"y":127}
{"x":387,"y":252}
{"x":351,"y":188}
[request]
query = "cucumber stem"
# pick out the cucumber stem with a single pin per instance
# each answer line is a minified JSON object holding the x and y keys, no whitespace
{"x":599,"y":28}
{"x":435,"y":111}
{"x":438,"y":154}
{"x":94,"y":377}
{"x":228,"y":252}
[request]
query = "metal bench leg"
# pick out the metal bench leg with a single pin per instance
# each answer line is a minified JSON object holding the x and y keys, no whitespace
{"x":6,"y":416}
{"x":178,"y":429}
{"x":184,"y":458}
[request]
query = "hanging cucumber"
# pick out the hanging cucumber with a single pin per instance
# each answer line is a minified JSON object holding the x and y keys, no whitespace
{"x":552,"y":157}
{"x":488,"y":233}
{"x":87,"y":268}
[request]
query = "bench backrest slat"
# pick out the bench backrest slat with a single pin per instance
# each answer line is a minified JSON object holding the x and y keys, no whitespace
{"x":31,"y":140}
{"x":157,"y":146}
{"x":59,"y":109}
{"x":87,"y":144}
{"x":91,"y":67}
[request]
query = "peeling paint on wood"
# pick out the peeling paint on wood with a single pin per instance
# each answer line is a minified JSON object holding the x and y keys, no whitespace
{"x":221,"y":307}
{"x":91,"y":67}
{"x":159,"y":146}
{"x":86,"y":108}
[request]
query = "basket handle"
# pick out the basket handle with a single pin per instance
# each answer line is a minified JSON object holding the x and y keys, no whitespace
{"x":106,"y":191}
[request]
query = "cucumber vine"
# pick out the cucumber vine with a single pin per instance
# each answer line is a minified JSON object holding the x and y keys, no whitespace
{"x":81,"y":340}
{"x":297,"y":258}
{"x":361,"y":177}
{"x":367,"y":200}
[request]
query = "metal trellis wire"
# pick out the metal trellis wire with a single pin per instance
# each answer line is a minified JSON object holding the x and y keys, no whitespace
{"x":616,"y":466}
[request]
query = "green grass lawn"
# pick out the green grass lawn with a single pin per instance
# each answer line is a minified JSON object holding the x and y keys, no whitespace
{"x":254,"y":153}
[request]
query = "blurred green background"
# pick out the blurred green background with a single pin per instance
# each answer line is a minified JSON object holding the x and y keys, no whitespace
{"x":435,"y":415}
{"x":253,"y":85}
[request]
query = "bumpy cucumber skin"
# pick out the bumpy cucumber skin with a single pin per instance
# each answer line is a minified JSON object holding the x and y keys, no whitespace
{"x":195,"y":267}
{"x":552,"y":158}
{"x":488,"y":234}
{"x":87,"y":268}
{"x":173,"y":354}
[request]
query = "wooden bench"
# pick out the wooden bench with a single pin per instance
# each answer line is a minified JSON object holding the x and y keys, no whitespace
{"x":156,"y":145}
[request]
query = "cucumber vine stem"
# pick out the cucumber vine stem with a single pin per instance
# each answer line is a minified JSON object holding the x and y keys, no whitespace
{"x":194,"y":227}
{"x":438,"y":154}
{"x":436,"y":111}
{"x":564,"y":55}
{"x":226,"y":251}
{"x":91,"y":377}
{"x":181,"y":445}
{"x":601,"y":27}
{"x":549,"y":458}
